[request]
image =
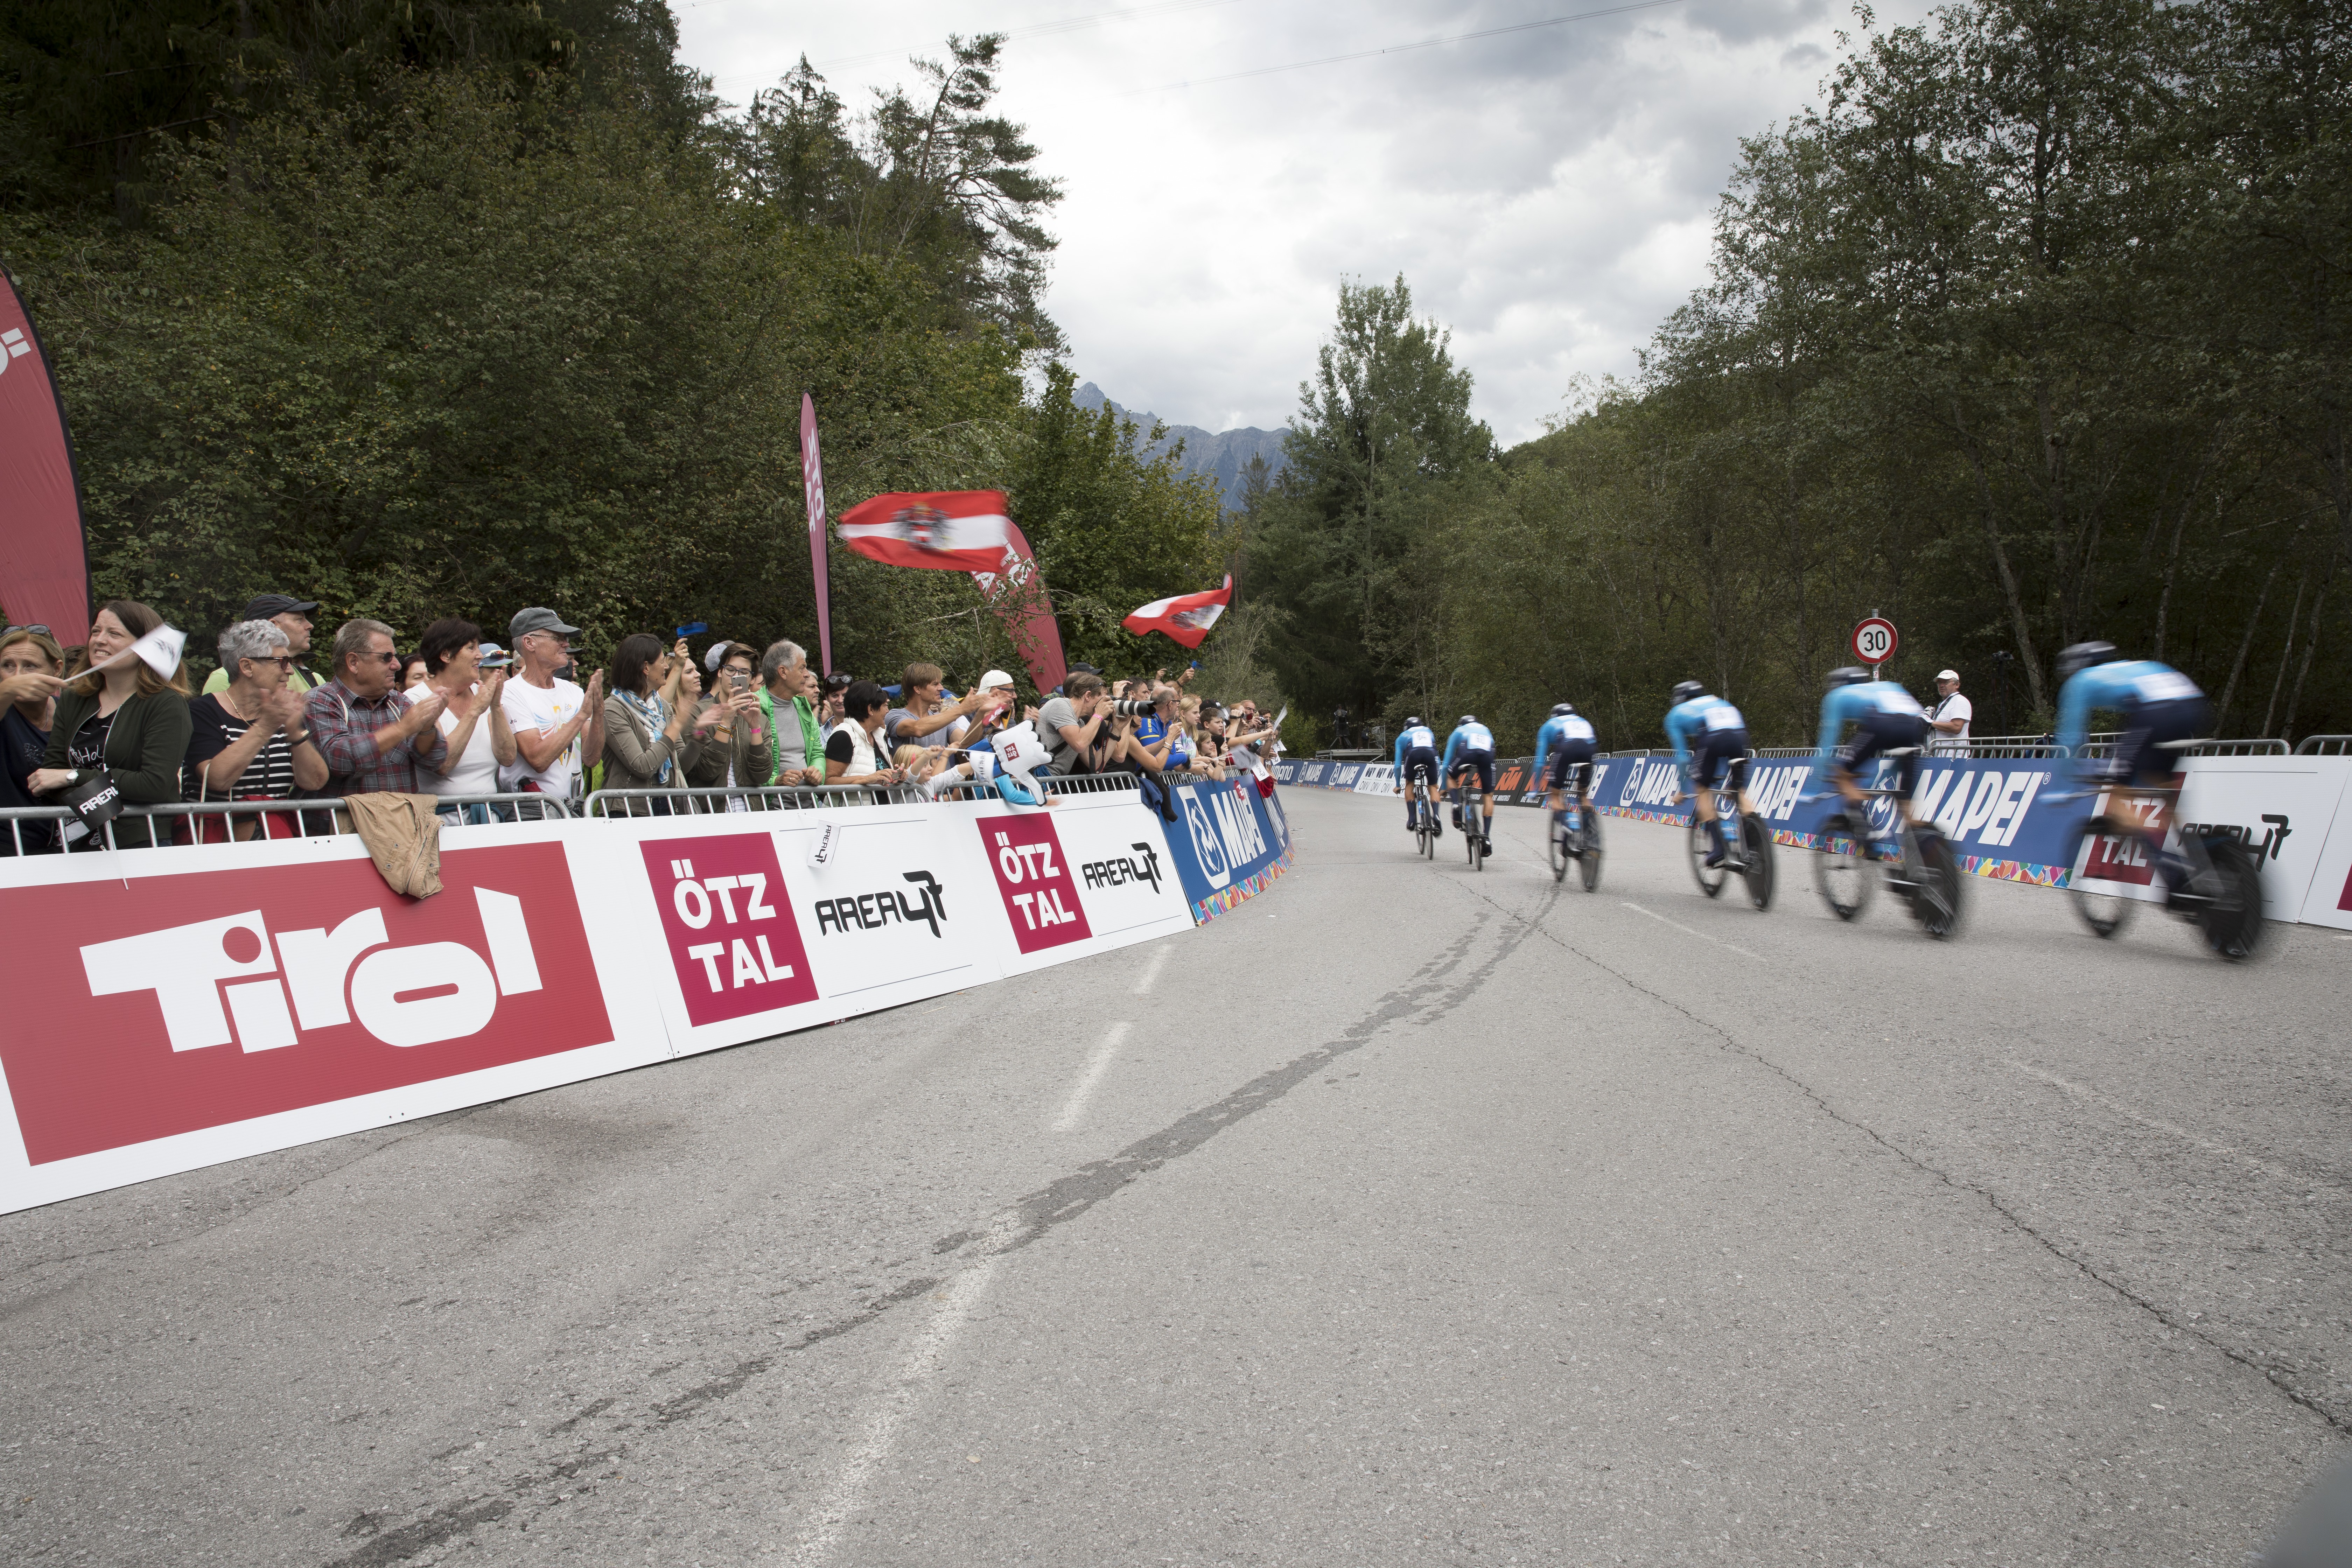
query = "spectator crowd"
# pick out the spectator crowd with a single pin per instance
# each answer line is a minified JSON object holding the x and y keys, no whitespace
{"x":486,"y":726}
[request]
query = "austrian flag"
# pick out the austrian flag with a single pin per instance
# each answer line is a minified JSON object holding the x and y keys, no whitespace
{"x":1187,"y":617}
{"x":952,"y":530}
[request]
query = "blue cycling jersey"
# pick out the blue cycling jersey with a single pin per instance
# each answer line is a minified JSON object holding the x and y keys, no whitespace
{"x":2125,"y":685}
{"x":1469,"y":738}
{"x":1689,"y":723}
{"x":1849,"y":704}
{"x":1413,"y":739}
{"x":1567,"y":727}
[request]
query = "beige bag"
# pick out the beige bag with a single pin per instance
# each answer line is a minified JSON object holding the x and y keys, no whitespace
{"x":402,"y":833}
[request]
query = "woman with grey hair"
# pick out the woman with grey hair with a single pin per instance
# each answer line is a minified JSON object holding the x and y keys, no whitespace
{"x":250,"y":742}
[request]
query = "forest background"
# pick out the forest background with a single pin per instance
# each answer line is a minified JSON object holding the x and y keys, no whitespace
{"x":2034,"y":330}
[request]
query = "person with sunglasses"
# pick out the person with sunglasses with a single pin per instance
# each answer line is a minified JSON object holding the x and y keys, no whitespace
{"x":373,"y":737}
{"x":246,"y":742}
{"x":32,"y":673}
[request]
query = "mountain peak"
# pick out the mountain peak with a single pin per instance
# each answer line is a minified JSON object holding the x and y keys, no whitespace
{"x":1222,"y":455}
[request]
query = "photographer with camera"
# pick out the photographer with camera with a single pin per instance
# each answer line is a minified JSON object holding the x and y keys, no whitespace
{"x":740,"y":752}
{"x":1073,"y":725}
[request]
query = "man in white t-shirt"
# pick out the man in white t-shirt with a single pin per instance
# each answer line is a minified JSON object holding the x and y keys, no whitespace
{"x":555,"y":723}
{"x":1950,"y":716}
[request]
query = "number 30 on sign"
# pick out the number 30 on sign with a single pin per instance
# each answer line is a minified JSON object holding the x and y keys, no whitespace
{"x":1874,"y":641}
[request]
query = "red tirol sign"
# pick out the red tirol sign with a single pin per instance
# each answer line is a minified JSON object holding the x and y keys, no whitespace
{"x":733,"y":942}
{"x":1040,"y":898}
{"x":175,"y":1003}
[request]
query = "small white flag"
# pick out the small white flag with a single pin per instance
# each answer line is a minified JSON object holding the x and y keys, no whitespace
{"x":159,"y":650}
{"x":827,"y":845}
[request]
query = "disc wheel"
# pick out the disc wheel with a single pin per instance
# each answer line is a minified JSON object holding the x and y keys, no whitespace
{"x":1842,"y":867}
{"x":1471,"y":838}
{"x":1710,"y":880}
{"x":1937,"y":899}
{"x":1555,"y":840}
{"x":1756,"y":840}
{"x":2106,"y":913}
{"x":2232,"y":921}
{"x":1588,"y":865}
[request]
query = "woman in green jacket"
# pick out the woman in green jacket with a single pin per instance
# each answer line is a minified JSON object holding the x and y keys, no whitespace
{"x":127,"y":720}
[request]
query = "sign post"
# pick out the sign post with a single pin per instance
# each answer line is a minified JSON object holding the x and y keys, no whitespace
{"x":1874,"y":643}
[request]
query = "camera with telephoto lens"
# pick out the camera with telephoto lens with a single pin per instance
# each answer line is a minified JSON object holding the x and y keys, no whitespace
{"x":1132,"y":707}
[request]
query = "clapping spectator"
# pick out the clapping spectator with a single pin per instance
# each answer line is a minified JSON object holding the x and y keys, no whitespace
{"x":289,"y":615}
{"x":479,"y":740}
{"x":740,"y":752}
{"x":788,"y":700}
{"x":249,"y":741}
{"x":374,"y":739}
{"x":927,"y":718}
{"x":32,"y":673}
{"x":124,"y":720}
{"x":649,"y":743}
{"x":851,"y":756}
{"x":555,"y":721}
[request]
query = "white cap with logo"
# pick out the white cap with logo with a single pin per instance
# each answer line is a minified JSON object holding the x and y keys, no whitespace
{"x":1948,"y":674}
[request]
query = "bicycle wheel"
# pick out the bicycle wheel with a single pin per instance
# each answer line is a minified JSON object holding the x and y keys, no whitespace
{"x":1588,"y":863}
{"x":2104,"y":913}
{"x":1756,"y":840}
{"x":2232,"y":921}
{"x":1710,"y":879}
{"x":1936,"y":872}
{"x":1556,"y":840}
{"x":1842,"y":867}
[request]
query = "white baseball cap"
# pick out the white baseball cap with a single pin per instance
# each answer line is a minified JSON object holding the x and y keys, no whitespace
{"x":1948,"y":674}
{"x":994,"y":679}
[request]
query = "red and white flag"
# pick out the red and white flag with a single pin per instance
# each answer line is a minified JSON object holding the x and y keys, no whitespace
{"x":1187,"y":617}
{"x":950,"y":531}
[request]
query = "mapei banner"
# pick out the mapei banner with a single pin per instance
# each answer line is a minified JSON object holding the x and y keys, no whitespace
{"x":1229,"y":842}
{"x":180,"y":1007}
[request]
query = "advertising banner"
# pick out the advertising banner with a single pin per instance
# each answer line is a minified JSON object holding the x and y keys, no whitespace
{"x":1378,"y":778}
{"x":1230,"y":844}
{"x":1093,"y":873}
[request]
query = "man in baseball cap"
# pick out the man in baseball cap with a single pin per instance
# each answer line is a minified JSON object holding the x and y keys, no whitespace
{"x":1949,"y":718}
{"x":292,"y":616}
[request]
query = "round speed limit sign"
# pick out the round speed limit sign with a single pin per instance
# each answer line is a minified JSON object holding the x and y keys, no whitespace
{"x":1874,"y":641}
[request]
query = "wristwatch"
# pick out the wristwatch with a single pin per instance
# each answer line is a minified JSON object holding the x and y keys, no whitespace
{"x":73,"y":775}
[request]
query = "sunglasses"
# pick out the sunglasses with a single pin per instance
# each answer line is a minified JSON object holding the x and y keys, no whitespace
{"x":36,"y":626}
{"x":283,"y":661}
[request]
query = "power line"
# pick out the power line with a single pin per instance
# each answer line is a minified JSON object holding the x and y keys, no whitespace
{"x":1405,"y":48}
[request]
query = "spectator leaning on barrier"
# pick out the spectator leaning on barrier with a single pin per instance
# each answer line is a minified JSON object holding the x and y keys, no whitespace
{"x":850,"y":748}
{"x":649,"y":743}
{"x":996,"y":717}
{"x":555,"y":721}
{"x":478,"y":740}
{"x":739,"y":751}
{"x":788,"y":700}
{"x":250,"y":742}
{"x":374,"y":739}
{"x":125,"y":721}
{"x":927,"y":718}
{"x":32,"y":673}
{"x":1950,"y":716}
{"x":289,"y":615}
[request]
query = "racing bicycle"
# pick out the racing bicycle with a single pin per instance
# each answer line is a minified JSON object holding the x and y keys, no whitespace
{"x":2222,"y":896}
{"x":1924,"y":872}
{"x":1575,"y":834}
{"x":1465,"y":813}
{"x":1424,"y":822}
{"x":1748,"y":843}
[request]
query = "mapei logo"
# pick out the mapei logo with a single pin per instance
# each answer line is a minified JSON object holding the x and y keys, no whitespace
{"x":1223,"y":829}
{"x":733,"y":943}
{"x":872,"y":911}
{"x":1033,"y":879}
{"x":291,"y":987}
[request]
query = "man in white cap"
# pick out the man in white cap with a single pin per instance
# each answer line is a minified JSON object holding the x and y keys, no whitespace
{"x":995,"y":714}
{"x":1949,"y":720}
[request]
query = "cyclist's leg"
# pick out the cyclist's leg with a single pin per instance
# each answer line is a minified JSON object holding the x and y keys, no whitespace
{"x":1486,"y":799}
{"x":1708,"y":769}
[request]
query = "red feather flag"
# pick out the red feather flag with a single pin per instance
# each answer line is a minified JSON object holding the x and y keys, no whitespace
{"x":1186,"y":618}
{"x":44,"y":569}
{"x":944,"y":530}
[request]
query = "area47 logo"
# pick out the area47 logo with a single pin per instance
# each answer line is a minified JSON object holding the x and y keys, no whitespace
{"x":1040,"y":898}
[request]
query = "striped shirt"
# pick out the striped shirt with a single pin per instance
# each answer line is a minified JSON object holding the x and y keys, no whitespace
{"x":214,"y":729}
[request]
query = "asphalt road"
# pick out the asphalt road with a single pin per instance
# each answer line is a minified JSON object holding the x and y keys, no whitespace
{"x":1402,"y":1216}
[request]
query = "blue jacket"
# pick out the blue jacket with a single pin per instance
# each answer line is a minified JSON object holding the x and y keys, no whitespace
{"x":2123,"y":686}
{"x":1847,"y":704}
{"x":1570,"y":727}
{"x":1693,"y":720}
{"x":1413,"y":739}
{"x":1469,"y":738}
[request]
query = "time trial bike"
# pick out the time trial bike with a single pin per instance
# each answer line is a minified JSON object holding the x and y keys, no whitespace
{"x":1924,"y":870}
{"x":1575,"y":835}
{"x":1748,"y":843}
{"x":2221,"y":895}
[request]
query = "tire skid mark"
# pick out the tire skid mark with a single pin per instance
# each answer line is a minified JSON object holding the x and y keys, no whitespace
{"x":2341,"y":1420}
{"x":1438,"y":988}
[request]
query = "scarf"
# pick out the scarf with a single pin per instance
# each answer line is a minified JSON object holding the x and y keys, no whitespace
{"x":656,"y":713}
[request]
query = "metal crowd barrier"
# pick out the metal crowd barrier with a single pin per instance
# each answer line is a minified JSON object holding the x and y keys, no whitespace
{"x":176,"y":824}
{"x":2324,"y":746}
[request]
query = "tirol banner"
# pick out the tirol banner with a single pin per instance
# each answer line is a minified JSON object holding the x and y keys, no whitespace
{"x":1229,"y":842}
{"x":813,"y":492}
{"x":43,"y":567}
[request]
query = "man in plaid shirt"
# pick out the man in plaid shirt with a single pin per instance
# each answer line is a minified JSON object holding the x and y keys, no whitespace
{"x":373,"y":737}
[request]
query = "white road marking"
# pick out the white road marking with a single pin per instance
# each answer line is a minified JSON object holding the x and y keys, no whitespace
{"x":1700,"y":934}
{"x":846,"y":1492}
{"x":1151,"y":972}
{"x":2085,"y":1092}
{"x":1074,"y":1107}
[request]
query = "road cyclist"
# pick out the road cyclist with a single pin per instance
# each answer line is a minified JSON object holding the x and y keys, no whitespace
{"x":1470,"y":752}
{"x":2210,"y":880}
{"x":1710,"y":741}
{"x":1416,"y":765}
{"x":1565,"y":746}
{"x":1919,"y":862}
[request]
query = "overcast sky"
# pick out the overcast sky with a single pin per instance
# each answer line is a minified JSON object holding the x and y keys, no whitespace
{"x":1547,"y":192}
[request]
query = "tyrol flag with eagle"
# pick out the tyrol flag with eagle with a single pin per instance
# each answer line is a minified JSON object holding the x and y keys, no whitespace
{"x":1186,"y":618}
